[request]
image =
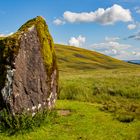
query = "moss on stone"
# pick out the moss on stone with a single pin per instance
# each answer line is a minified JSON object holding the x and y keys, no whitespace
{"x":46,"y":41}
{"x":10,"y":45}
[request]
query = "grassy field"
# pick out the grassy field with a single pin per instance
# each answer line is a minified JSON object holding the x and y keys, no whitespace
{"x":117,"y":90}
{"x":96,"y":103}
{"x":84,"y":122}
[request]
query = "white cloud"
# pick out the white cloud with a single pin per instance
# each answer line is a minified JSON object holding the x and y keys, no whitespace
{"x":134,"y":25}
{"x":117,"y":50}
{"x":78,"y":42}
{"x":103,"y":16}
{"x":136,"y":53}
{"x":58,"y":22}
{"x":5,"y":35}
{"x":111,"y":47}
{"x":131,"y":26}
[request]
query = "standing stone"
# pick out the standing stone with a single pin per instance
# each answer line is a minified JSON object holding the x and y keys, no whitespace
{"x":28,"y":69}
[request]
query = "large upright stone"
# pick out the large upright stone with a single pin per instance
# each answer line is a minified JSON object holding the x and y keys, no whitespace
{"x":28,"y":69}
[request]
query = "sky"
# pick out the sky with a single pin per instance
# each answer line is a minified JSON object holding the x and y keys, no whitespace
{"x":111,"y":27}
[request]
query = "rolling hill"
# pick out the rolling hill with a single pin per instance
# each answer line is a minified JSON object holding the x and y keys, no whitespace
{"x":74,"y":58}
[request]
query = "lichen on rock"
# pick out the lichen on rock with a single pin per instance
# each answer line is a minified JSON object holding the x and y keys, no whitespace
{"x":28,"y":69}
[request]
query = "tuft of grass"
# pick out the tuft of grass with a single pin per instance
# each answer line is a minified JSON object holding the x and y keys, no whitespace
{"x":125,"y":118}
{"x":24,"y":123}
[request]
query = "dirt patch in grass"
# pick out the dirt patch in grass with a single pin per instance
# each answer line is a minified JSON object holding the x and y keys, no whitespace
{"x":63,"y":112}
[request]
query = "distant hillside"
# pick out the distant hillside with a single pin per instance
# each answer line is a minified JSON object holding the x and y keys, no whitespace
{"x":74,"y":58}
{"x":134,"y":61}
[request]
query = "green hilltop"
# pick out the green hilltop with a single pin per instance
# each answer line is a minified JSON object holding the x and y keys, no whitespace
{"x":73,"y":58}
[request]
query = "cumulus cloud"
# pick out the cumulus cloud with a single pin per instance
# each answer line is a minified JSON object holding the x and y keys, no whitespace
{"x":131,"y":26}
{"x":117,"y":50}
{"x":58,"y":22}
{"x":110,"y":48}
{"x":136,"y":53}
{"x":134,"y":25}
{"x":103,"y":16}
{"x":78,"y":42}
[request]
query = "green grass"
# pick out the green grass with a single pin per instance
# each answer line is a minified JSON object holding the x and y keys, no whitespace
{"x":85,"y":122}
{"x":117,"y":90}
{"x":102,"y":95}
{"x":106,"y":81}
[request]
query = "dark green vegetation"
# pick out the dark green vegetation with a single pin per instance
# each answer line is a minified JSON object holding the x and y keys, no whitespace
{"x":6,"y":53}
{"x":12,"y":125}
{"x":102,"y":95}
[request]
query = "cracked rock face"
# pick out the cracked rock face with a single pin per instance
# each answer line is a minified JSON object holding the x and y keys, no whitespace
{"x":29,"y":77}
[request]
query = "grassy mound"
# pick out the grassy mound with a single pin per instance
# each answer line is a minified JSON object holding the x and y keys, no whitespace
{"x":72,"y":59}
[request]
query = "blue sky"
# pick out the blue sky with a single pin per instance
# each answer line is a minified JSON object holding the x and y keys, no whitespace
{"x":111,"y":27}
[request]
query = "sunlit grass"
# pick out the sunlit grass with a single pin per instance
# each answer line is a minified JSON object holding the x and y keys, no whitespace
{"x":117,"y":90}
{"x":86,"y":121}
{"x":102,"y":95}
{"x":73,"y":58}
